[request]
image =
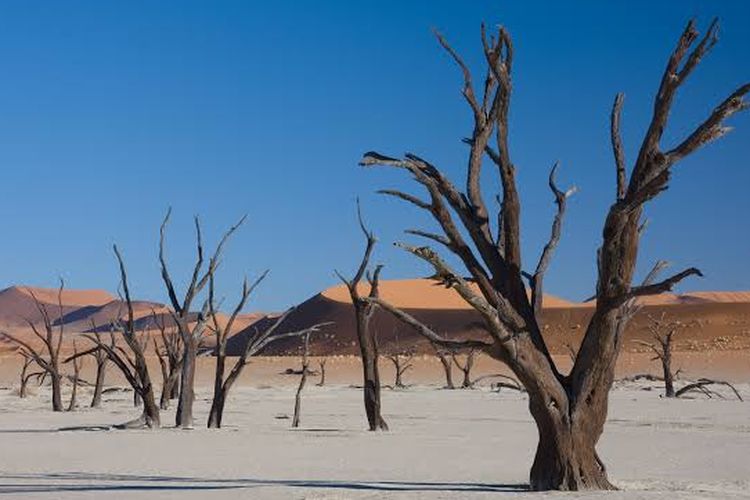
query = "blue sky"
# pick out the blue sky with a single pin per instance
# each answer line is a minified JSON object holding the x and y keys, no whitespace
{"x":112,"y":111}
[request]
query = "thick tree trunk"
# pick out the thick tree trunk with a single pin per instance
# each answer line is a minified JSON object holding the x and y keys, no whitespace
{"x":151,"y":416}
{"x":566,"y":457}
{"x":101,"y":370}
{"x":57,"y":404}
{"x":184,"y":416}
{"x":371,"y":373}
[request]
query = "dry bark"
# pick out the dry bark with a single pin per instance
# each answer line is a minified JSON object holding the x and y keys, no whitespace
{"x":366,"y":338}
{"x":569,"y":409}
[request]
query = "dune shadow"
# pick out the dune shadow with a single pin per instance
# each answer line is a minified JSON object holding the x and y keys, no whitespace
{"x":17,"y":484}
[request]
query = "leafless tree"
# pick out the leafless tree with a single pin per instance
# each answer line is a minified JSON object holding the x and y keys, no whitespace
{"x":28,"y":360}
{"x":368,"y":343}
{"x":569,"y":410}
{"x":662,"y":331}
{"x":102,"y":362}
{"x":191,"y":336}
{"x":76,"y":360}
{"x":402,"y":362}
{"x":322,"y":364}
{"x":258,"y":341}
{"x":444,"y":356}
{"x":302,"y":381}
{"x":132,"y":361}
{"x":169,"y":355}
{"x":702,"y":386}
{"x":466,"y":366}
{"x":47,"y":358}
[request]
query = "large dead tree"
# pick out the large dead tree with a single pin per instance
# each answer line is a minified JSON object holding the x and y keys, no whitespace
{"x":569,"y":409}
{"x":663,"y":331}
{"x":366,"y":338}
{"x":48,"y":357}
{"x":131,"y":361}
{"x":191,"y":335}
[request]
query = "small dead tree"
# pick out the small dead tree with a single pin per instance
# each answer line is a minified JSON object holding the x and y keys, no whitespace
{"x":368,"y":343}
{"x":302,"y":381}
{"x":402,"y":362}
{"x":702,"y":386}
{"x":258,"y":341}
{"x":170,"y":360}
{"x":569,"y":409}
{"x":76,"y":360}
{"x":102,"y":362}
{"x":28,"y":360}
{"x":465,"y":366}
{"x":131,"y":362}
{"x":322,"y":365}
{"x":191,"y":336}
{"x":47,"y":358}
{"x":662,"y":331}
{"x":444,"y":356}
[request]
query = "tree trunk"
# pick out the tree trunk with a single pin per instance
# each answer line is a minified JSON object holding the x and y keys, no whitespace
{"x":448,"y":369}
{"x":370,"y":371}
{"x":74,"y":395}
{"x":170,"y":389}
{"x":57,"y":404}
{"x":467,"y":383}
{"x":101,"y":370}
{"x":666,"y":363}
{"x":217,"y":410}
{"x":137,"y":400}
{"x":22,"y":391}
{"x":298,"y":397}
{"x":184,"y":416}
{"x":151,"y":416}
{"x":566,"y":457}
{"x":217,"y":404}
{"x":322,"y":380}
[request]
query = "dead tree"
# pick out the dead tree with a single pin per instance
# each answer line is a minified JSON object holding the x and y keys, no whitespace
{"x":102,"y":362}
{"x":76,"y":360}
{"x":302,"y":381}
{"x":569,"y":409}
{"x":48,"y":358}
{"x":662,"y":330}
{"x":465,"y":366}
{"x":444,"y":356}
{"x":191,"y":336}
{"x":131,"y":362}
{"x":28,"y":360}
{"x":402,"y":362}
{"x":170,"y":360}
{"x":368,"y":343}
{"x":258,"y":341}
{"x":322,"y":365}
{"x":702,"y":386}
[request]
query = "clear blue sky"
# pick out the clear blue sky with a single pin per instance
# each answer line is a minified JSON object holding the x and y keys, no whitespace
{"x":112,"y":111}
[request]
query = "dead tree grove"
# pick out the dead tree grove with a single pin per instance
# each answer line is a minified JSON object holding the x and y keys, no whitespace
{"x":368,"y":343}
{"x":47,"y":358}
{"x":569,"y":409}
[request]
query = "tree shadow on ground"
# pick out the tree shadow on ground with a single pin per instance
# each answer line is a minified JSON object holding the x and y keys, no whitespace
{"x":16,"y":484}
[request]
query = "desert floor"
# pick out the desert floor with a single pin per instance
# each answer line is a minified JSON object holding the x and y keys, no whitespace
{"x":442,"y":444}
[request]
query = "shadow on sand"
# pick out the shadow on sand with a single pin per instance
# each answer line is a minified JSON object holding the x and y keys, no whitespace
{"x":16,"y":484}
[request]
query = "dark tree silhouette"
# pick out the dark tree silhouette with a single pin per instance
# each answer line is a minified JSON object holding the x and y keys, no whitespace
{"x":366,"y":338}
{"x":569,"y":409}
{"x":663,"y":331}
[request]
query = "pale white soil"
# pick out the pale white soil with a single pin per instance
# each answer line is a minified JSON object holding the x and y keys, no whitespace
{"x":442,"y":444}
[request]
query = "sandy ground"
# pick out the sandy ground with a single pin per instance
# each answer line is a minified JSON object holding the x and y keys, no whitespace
{"x":442,"y":444}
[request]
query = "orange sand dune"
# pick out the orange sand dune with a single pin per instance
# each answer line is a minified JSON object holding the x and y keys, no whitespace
{"x":423,"y":294}
{"x":69,"y":297}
